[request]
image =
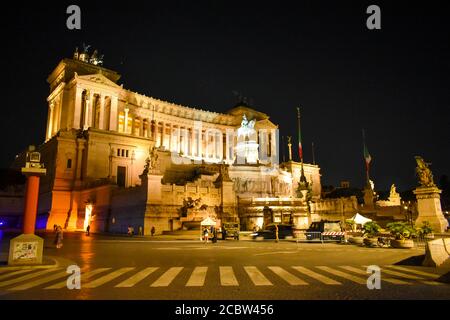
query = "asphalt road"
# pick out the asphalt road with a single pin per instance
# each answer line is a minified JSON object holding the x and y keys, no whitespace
{"x":143,"y":268}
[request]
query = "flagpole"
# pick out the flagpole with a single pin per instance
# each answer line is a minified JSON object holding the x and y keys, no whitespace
{"x":300,"y":147}
{"x":365,"y":159}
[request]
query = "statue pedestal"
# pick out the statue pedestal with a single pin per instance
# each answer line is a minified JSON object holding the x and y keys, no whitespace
{"x":368,"y":198}
{"x":429,"y":208}
{"x":26,"y":249}
{"x":154,"y":185}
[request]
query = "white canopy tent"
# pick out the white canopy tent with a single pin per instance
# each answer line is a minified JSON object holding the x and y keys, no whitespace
{"x":208,"y":222}
{"x":359,"y":219}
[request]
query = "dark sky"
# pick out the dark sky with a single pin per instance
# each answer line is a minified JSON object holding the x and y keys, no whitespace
{"x":319,"y":55}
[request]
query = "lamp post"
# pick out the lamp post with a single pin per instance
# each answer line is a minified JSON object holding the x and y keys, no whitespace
{"x":408,"y":213}
{"x":28,"y":248}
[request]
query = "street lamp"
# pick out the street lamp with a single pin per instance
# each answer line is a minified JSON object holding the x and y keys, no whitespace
{"x":408,"y":213}
{"x":28,"y":248}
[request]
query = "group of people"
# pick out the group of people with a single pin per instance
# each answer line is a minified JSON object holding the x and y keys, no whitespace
{"x":211,"y":231}
{"x":130,"y":231}
{"x":58,"y":236}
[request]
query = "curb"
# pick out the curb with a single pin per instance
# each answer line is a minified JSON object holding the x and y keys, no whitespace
{"x":57,"y":262}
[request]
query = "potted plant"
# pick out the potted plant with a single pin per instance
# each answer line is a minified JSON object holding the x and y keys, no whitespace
{"x":403,"y":232}
{"x":370,"y":231}
{"x":426,"y":231}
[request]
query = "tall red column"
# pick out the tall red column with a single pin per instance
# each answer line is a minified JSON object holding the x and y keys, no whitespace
{"x":31,"y":204}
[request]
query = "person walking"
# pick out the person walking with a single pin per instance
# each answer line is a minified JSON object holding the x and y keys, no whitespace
{"x":140,"y":230}
{"x":59,"y":237}
{"x":205,"y":233}
{"x":88,"y":230}
{"x":153,"y":230}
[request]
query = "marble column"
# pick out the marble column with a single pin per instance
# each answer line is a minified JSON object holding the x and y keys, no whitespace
{"x":161,"y":138}
{"x":141,"y":127}
{"x":185,"y":141}
{"x":179,"y":147}
{"x":201,"y":141}
{"x":274,"y":154}
{"x":91,"y":110}
{"x":50,"y":121}
{"x":170,"y":136}
{"x":222,"y":147}
{"x":195,"y":134}
{"x":86,"y":112}
{"x":101,"y":118}
{"x":57,"y":121}
{"x":125,"y":120}
{"x":191,"y":142}
{"x":77,"y":110}
{"x":113,"y":113}
{"x":53,"y":119}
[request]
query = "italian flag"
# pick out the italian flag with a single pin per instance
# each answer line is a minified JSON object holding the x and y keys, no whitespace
{"x":367,"y":156}
{"x":300,"y":149}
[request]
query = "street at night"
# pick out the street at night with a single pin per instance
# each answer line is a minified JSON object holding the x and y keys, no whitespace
{"x":143,"y":268}
{"x":225,"y":159}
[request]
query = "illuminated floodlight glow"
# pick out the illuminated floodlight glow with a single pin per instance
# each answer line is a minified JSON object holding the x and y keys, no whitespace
{"x":87,"y":215}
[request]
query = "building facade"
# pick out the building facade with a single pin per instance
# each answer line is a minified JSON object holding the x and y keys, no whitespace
{"x":116,"y":158}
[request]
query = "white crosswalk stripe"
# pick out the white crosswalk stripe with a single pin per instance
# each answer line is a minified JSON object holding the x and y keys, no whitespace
{"x":227,"y":277}
{"x":409,"y":276}
{"x":27,"y":277}
{"x":84,"y":276}
{"x":343,"y":275}
{"x":15,"y":273}
{"x":363,"y":272}
{"x":40,"y":281}
{"x":317,"y":276}
{"x":287,"y":276}
{"x":197,"y":278}
{"x":109,"y":277}
{"x":141,"y":275}
{"x":418,"y":272}
{"x":167,"y":278}
{"x":257,"y":277}
{"x":24,"y":279}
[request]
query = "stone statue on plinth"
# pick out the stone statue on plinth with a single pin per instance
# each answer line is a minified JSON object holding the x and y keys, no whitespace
{"x":289,"y":139}
{"x":247,"y":145}
{"x":151,"y":161}
{"x":428,"y":198}
{"x":424,"y":173}
{"x":394,"y":196}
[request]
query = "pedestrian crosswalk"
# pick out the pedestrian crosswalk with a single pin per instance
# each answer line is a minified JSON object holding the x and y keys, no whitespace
{"x":14,"y":280}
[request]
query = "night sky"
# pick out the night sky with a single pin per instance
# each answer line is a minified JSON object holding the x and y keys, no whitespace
{"x":316,"y":55}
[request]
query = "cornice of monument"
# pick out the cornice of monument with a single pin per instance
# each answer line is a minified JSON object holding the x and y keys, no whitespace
{"x":82,"y":68}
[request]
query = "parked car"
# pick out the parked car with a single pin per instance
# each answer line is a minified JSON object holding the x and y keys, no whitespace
{"x":284,"y":230}
{"x":230,"y":229}
{"x":326,"y":231}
